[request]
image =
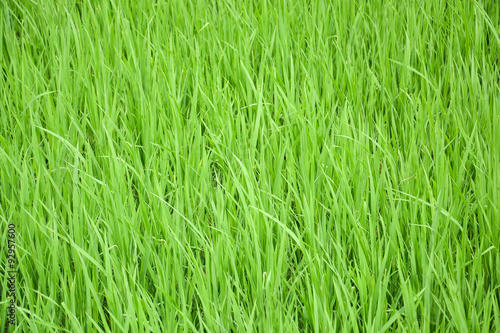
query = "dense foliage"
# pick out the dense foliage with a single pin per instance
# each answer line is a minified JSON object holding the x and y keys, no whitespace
{"x":268,"y":166}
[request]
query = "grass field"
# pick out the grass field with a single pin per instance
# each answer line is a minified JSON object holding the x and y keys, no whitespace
{"x":250,"y":166}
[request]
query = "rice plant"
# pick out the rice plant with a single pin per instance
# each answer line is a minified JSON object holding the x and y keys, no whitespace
{"x":250,"y":166}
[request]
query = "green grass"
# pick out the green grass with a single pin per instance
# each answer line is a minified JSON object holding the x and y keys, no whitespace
{"x":251,"y":166}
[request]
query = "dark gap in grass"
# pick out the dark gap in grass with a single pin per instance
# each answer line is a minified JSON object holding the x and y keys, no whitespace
{"x":78,"y":6}
{"x":132,"y":188}
{"x":200,"y":255}
{"x":141,"y":151}
{"x":303,"y":324}
{"x":5,"y":79}
{"x":295,"y":260}
{"x":107,"y":314}
{"x":294,"y":216}
{"x":89,"y":147}
{"x":170,"y":203}
{"x":217,"y":174}
{"x":197,"y":312}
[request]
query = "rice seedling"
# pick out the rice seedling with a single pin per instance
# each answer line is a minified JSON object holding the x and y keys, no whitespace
{"x":250,"y":166}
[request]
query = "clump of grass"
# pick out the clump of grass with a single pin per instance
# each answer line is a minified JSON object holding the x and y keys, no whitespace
{"x":227,"y":166}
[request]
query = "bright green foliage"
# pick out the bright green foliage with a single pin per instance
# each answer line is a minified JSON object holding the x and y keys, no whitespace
{"x":251,"y":166}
